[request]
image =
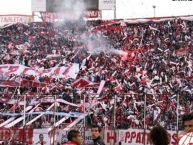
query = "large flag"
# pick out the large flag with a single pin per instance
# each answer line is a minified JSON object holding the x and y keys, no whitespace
{"x":70,"y":71}
{"x":10,"y":75}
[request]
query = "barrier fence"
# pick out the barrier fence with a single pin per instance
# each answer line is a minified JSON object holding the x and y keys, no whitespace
{"x":111,"y":137}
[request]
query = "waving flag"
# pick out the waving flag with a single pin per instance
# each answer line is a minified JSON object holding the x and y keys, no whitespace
{"x":81,"y":83}
{"x":62,"y":72}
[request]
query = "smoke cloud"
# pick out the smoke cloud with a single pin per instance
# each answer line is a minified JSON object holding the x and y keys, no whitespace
{"x":95,"y":42}
{"x":72,"y":10}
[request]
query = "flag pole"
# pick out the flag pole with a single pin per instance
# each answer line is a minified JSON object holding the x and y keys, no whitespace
{"x":177,"y":114}
{"x":84,"y":100}
{"x":54,"y":119}
{"x":24,"y":111}
{"x":84,"y":122}
{"x":24,"y":120}
{"x":144,"y":119}
{"x":115,"y":10}
{"x":114,"y":114}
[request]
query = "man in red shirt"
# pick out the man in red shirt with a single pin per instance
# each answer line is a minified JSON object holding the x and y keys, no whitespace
{"x":74,"y":138}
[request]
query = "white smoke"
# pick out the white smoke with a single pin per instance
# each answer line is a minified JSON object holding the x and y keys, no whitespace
{"x":119,"y":52}
{"x":95,"y":42}
{"x":72,"y":10}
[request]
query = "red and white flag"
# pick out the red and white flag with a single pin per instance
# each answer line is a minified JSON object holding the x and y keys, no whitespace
{"x":118,"y":87}
{"x":83,"y":83}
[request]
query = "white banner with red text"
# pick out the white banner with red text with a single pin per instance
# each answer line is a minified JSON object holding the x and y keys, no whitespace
{"x":134,"y":137}
{"x":36,"y":136}
{"x":13,"y":19}
{"x":70,"y":71}
{"x":125,"y":137}
{"x":55,"y":17}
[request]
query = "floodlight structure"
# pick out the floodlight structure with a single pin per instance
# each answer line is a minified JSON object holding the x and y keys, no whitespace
{"x":115,"y":10}
{"x":154,"y":7}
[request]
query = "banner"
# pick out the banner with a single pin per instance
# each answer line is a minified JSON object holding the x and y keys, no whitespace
{"x":16,"y":135}
{"x":134,"y":137}
{"x":10,"y":75}
{"x":106,"y":4}
{"x":54,"y":17}
{"x":125,"y":137}
{"x":36,"y":136}
{"x":40,"y":16}
{"x":12,"y":19}
{"x":92,"y":14}
{"x":48,"y":16}
{"x":70,"y":71}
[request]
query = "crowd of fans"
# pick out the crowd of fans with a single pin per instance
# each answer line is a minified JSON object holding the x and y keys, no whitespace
{"x":149,"y":84}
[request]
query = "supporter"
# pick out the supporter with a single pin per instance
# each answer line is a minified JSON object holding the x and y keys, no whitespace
{"x":158,"y":67}
{"x":74,"y":138}
{"x":41,"y":140}
{"x":96,"y":135}
{"x":188,"y":122}
{"x":159,"y":136}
